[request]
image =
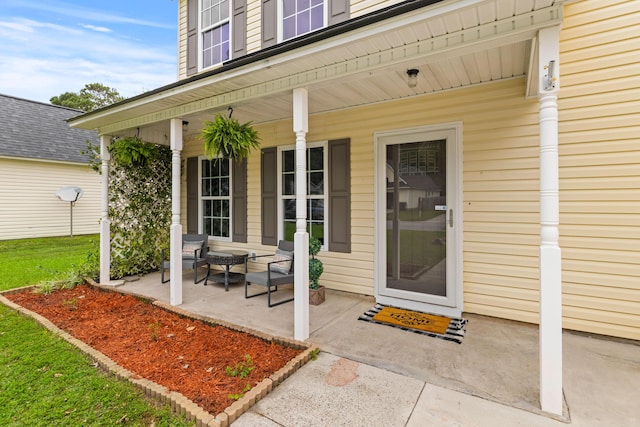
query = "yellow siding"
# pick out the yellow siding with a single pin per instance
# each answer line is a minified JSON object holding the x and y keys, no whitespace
{"x":599,"y":178}
{"x":599,"y":167}
{"x":254,"y":27}
{"x":362,"y":7}
{"x":500,"y":208}
{"x":501,"y":205}
{"x":30,"y":207}
{"x":182,"y":39}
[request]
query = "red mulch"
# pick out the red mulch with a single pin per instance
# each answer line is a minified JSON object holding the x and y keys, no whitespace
{"x":182,"y":354}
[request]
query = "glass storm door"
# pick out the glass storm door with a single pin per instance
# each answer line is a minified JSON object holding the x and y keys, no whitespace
{"x":417,"y":248}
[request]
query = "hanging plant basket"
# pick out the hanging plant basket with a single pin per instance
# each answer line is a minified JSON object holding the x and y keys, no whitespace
{"x":226,"y":137}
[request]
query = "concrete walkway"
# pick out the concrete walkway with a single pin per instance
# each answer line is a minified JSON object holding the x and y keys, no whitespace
{"x":374,"y":375}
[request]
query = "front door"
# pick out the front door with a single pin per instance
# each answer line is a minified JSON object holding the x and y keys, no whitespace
{"x":417,"y":226}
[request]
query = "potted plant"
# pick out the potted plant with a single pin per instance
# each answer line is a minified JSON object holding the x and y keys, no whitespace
{"x":226,"y":137}
{"x":316,"y":291}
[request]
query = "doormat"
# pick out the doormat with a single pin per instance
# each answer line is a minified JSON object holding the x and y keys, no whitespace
{"x":414,"y":321}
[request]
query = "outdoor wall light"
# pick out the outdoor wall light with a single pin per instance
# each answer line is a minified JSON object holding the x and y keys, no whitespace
{"x":412,"y":77}
{"x":185,"y":126}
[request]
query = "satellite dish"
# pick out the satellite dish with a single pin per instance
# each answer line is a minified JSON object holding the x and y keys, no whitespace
{"x":69,"y":194}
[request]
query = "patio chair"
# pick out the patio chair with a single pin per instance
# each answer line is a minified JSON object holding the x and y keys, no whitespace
{"x":194,"y":255}
{"x":279,"y":272}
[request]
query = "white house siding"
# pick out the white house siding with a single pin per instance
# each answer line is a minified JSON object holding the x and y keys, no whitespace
{"x":41,"y":214}
{"x":600,"y":167}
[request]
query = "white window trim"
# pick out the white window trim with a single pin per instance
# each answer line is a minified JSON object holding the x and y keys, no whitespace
{"x":325,"y":196}
{"x":325,"y":20}
{"x":201,"y":31}
{"x":200,"y":199}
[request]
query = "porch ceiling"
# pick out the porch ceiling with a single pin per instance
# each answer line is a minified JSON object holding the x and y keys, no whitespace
{"x":453,"y":44}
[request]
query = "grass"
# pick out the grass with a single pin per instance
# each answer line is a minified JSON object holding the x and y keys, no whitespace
{"x":30,"y":261}
{"x":44,"y":381}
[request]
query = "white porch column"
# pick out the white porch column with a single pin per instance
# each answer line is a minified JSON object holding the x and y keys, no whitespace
{"x":175,"y":290}
{"x":301,"y":238}
{"x":105,"y":223}
{"x":551,"y":399}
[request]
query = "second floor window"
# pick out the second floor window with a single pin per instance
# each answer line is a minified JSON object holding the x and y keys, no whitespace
{"x":301,"y":16}
{"x":214,"y":25}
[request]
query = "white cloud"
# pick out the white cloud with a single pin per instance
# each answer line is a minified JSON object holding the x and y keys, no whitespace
{"x":86,"y":13}
{"x":98,"y":29}
{"x":18,"y":26}
{"x":12,"y":27}
{"x":39,"y":60}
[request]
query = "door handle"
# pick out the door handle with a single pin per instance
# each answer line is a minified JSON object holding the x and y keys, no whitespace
{"x":451,"y":218}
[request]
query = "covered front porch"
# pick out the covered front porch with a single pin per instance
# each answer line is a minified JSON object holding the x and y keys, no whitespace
{"x":352,"y":81}
{"x":491,"y":374}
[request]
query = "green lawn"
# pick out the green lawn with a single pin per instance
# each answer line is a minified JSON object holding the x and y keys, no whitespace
{"x":30,"y":261}
{"x":44,"y":381}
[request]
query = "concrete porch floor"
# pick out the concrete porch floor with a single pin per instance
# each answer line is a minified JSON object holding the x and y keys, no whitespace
{"x":374,"y":375}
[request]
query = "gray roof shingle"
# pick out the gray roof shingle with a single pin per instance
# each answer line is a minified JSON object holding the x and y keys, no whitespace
{"x":35,"y":130}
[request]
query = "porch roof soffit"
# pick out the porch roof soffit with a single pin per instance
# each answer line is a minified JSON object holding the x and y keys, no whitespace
{"x":441,"y":33}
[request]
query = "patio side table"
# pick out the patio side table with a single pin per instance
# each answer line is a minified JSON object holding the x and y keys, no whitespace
{"x":226,"y":260}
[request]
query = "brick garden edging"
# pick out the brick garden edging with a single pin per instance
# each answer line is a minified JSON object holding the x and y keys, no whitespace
{"x":180,"y":404}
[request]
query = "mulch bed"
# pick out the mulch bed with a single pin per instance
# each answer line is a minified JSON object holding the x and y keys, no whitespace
{"x":182,"y":354}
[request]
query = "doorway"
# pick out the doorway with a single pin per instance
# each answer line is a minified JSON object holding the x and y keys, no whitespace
{"x":418,"y":220}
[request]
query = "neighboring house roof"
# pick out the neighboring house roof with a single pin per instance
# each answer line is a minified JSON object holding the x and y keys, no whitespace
{"x":35,"y":130}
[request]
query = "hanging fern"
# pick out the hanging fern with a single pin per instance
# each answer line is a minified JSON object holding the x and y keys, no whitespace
{"x":133,"y":152}
{"x":226,"y":137}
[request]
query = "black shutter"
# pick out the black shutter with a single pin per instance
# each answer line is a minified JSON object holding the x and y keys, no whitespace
{"x":239,"y":201}
{"x":269,"y":202}
{"x":192,"y":195}
{"x":192,"y":37}
{"x":339,"y":196}
{"x":239,"y":27}
{"x":269,"y":23}
{"x":338,"y":11}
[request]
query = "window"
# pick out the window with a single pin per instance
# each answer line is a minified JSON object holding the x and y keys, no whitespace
{"x":214,"y":28}
{"x":421,"y":159}
{"x":215,"y":197}
{"x":302,"y":16}
{"x":316,"y":193}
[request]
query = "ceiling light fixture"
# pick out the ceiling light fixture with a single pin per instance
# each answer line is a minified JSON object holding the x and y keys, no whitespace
{"x":412,"y":77}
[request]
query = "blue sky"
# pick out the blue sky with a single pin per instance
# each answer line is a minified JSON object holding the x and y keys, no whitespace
{"x":48,"y":47}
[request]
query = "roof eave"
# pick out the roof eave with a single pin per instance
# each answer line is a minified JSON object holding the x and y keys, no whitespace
{"x":84,"y":121}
